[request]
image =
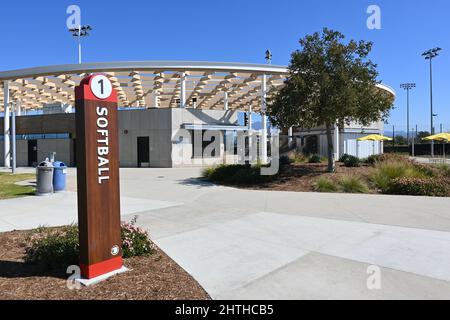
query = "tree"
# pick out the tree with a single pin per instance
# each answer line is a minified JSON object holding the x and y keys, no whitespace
{"x":422,"y":134}
{"x":329,"y":82}
{"x":400,"y":141}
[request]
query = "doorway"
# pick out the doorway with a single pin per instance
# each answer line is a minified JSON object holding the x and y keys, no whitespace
{"x":143,"y":152}
{"x":32,"y":153}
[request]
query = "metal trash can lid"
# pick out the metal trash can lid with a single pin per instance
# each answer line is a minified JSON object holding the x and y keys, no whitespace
{"x":45,"y":164}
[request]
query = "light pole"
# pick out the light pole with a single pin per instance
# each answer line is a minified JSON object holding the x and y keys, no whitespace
{"x":268,"y":56}
{"x":79,"y":32}
{"x":430,"y":55}
{"x":407,"y":87}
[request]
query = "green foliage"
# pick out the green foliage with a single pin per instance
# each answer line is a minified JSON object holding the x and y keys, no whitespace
{"x":348,"y":184}
{"x":135,"y":241}
{"x":432,"y":187}
{"x":53,"y":248}
{"x":207,"y":172}
{"x":285,"y":160}
{"x":238,"y":174}
{"x":353,"y":184}
{"x":444,"y":170}
{"x":325,"y":185}
{"x":300,"y":158}
{"x":422,"y":134}
{"x":400,"y":141}
{"x":315,"y":159}
{"x":344,"y":157}
{"x":387,"y":171}
{"x":352,"y":162}
{"x":395,"y":157}
{"x":330,"y":81}
{"x":58,"y":248}
{"x":223,"y":172}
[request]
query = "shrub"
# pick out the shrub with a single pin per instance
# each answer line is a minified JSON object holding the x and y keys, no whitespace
{"x":433,"y":187}
{"x":285,"y":160}
{"x":135,"y":241}
{"x":237,"y":174}
{"x":52,"y":248}
{"x":59,"y":248}
{"x":444,"y":170}
{"x":207,"y":172}
{"x":325,"y":185}
{"x":300,"y":158}
{"x":394,"y":157}
{"x":385,"y":172}
{"x":223,"y":172}
{"x":344,"y":157}
{"x":352,"y":162}
{"x":315,"y":159}
{"x":371,"y":160}
{"x":353,"y":184}
{"x":248,"y":175}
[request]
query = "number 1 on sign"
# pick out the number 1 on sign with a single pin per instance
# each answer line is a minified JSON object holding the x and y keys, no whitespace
{"x":101,"y":87}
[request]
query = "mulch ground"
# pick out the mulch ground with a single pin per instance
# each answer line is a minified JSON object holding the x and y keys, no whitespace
{"x":301,"y":177}
{"x":156,"y":277}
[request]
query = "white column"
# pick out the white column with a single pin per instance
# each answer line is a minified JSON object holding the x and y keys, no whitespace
{"x":156,"y":99}
{"x":225,"y":100}
{"x":13,"y":135}
{"x":264,"y":120}
{"x":336,"y":142}
{"x":183,"y":91}
{"x":250,"y":120}
{"x":19,"y":108}
{"x":6,"y":145}
{"x":290,"y":136}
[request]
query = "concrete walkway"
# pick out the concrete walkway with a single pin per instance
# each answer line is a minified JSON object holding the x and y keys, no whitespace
{"x":242,"y":244}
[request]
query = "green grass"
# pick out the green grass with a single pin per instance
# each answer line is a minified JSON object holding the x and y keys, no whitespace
{"x":8,"y":188}
{"x":385,"y":172}
{"x":353,"y":184}
{"x":325,"y":185}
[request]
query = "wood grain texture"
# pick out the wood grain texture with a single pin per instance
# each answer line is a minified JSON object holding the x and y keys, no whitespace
{"x":98,"y":204}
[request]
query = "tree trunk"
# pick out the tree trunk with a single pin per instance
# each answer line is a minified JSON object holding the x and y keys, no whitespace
{"x":330,"y":149}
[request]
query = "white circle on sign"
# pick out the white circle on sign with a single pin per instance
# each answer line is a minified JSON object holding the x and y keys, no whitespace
{"x":115,"y":250}
{"x":101,"y":87}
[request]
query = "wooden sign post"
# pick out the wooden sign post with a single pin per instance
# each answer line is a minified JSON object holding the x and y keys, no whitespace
{"x":98,"y":177}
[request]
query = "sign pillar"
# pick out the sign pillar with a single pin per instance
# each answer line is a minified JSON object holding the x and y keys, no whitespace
{"x":97,"y":144}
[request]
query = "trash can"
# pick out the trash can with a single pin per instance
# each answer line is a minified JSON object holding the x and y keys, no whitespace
{"x":44,"y":180}
{"x":59,"y":176}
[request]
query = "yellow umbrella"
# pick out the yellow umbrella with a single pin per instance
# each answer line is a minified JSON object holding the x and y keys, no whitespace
{"x":439,"y":137}
{"x":374,"y":137}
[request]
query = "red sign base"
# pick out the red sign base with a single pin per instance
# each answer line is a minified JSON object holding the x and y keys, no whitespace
{"x":97,"y":269}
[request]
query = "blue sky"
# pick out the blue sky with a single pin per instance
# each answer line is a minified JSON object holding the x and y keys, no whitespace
{"x":240,"y":31}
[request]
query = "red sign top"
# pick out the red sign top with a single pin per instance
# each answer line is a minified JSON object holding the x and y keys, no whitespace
{"x":95,"y":87}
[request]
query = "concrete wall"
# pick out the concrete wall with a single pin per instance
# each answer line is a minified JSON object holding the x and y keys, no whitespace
{"x":162,"y":126}
{"x":62,"y":147}
{"x":182,"y":139}
{"x":152,"y":123}
{"x":21,"y":151}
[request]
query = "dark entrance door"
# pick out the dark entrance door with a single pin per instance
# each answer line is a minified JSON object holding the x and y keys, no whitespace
{"x":32,"y":153}
{"x":143,"y":152}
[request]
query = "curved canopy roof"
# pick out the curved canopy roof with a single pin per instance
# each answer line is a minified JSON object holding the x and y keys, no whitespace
{"x":150,"y":83}
{"x":139,"y":82}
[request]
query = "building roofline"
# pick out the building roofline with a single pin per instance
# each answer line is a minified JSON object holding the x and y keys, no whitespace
{"x":141,"y":66}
